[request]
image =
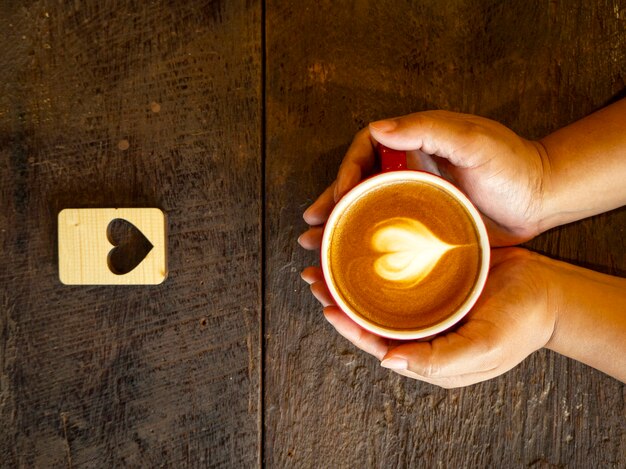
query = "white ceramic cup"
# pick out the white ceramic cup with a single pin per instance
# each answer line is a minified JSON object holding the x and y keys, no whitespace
{"x":393,"y":164}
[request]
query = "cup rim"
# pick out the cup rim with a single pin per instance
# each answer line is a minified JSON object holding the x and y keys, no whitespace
{"x":415,"y":175}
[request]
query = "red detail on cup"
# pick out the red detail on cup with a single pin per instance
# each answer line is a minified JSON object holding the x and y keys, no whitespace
{"x":391,"y":160}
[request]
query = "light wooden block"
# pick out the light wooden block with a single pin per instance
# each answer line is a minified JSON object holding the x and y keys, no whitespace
{"x":84,"y":246}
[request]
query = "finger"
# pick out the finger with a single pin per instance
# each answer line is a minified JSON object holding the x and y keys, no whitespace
{"x":455,"y":381}
{"x":410,"y":374}
{"x":312,"y":274}
{"x":446,"y":134}
{"x":322,"y":294}
{"x":358,"y":162}
{"x":348,"y":176}
{"x":416,"y":159}
{"x":468,"y":350}
{"x":312,"y":238}
{"x":318,"y":212}
{"x":446,"y":169}
{"x":366,"y":341}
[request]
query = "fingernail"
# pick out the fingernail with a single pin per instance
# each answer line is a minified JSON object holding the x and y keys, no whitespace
{"x":384,"y":125}
{"x":395,"y":363}
{"x":306,"y":213}
{"x":299,"y":240}
{"x":304,"y":278}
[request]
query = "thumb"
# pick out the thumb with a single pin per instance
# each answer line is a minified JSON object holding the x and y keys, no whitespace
{"x":450,"y":135}
{"x":447,"y":356}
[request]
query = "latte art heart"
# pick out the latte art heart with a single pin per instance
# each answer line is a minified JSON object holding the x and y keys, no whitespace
{"x":409,"y":250}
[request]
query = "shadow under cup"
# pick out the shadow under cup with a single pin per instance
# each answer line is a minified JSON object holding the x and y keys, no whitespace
{"x":405,"y":254}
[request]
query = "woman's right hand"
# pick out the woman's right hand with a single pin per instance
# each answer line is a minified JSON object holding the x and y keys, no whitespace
{"x":503,"y":174}
{"x":521,"y":187}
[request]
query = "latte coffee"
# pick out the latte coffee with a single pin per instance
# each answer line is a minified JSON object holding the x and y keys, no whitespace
{"x":404,"y":254}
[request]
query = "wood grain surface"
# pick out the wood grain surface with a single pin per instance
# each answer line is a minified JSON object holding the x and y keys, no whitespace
{"x":231,"y":117}
{"x":331,"y":69}
{"x":131,"y":104}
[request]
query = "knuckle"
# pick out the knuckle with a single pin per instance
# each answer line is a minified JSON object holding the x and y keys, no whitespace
{"x":360,"y":338}
{"x":428,"y":369}
{"x":362,"y":134}
{"x":477,"y":132}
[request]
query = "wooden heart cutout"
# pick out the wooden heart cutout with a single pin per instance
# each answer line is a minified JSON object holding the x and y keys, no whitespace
{"x":130,"y":246}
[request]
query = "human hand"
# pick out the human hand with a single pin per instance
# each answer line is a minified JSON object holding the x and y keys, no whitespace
{"x":502,"y":173}
{"x":522,"y":188}
{"x":511,"y":319}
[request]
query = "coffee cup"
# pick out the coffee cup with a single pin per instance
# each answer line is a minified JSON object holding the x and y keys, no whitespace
{"x":405,"y":254}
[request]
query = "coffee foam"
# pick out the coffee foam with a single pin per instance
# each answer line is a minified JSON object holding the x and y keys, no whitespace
{"x":404,"y":255}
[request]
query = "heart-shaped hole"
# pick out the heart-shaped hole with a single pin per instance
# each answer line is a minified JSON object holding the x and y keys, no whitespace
{"x":131,"y":246}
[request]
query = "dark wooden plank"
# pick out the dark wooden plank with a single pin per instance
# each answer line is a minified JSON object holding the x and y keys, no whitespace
{"x":103,"y":104}
{"x":535,"y":66}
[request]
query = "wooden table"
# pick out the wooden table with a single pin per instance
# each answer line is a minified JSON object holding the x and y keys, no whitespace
{"x":231,"y":117}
